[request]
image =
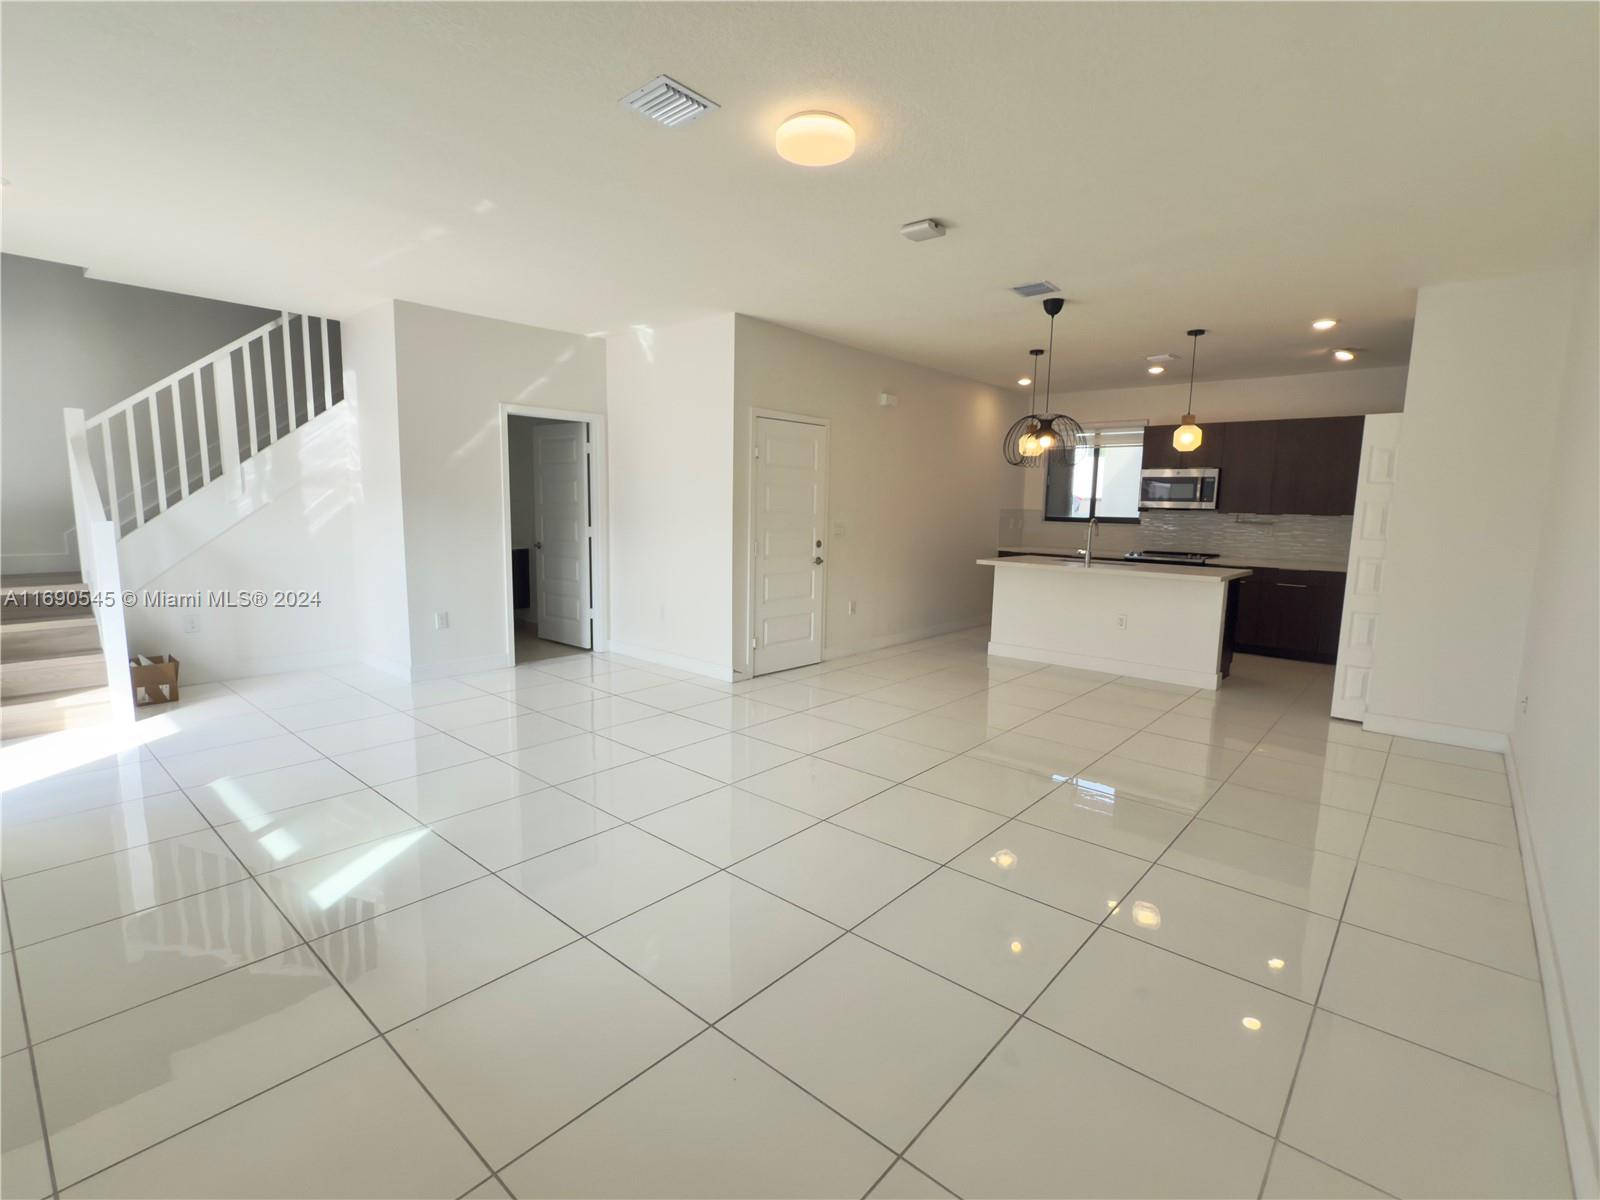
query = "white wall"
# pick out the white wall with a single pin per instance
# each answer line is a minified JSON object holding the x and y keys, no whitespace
{"x":378,"y":550}
{"x":71,"y":342}
{"x":1487,"y":363}
{"x":1554,"y":742}
{"x":914,"y":491}
{"x":1329,"y":393}
{"x":670,"y":394}
{"x":454,"y":371}
{"x":300,"y":541}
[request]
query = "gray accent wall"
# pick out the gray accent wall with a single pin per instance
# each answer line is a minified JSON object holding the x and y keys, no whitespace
{"x":67,"y":341}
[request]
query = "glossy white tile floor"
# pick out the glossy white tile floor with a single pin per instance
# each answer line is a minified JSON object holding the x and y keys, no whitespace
{"x":917,"y":923}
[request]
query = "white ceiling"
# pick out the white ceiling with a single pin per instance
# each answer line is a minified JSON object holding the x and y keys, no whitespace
{"x":1246,"y":167}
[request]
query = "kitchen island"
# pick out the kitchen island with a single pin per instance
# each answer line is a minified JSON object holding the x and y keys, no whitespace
{"x":1151,"y":621}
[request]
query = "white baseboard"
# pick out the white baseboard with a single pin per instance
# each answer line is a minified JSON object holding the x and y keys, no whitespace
{"x":868,"y":645}
{"x":1429,"y":731}
{"x":678,"y":662}
{"x":422,"y":672}
{"x":1583,"y":1154}
{"x":389,"y":666}
{"x":245,"y":666}
{"x":1111,"y":666}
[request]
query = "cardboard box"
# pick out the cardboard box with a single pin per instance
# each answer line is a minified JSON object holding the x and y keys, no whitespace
{"x":155,"y":678}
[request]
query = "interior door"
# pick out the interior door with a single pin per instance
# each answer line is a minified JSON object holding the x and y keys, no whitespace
{"x":1363,"y":586}
{"x":790,"y":486}
{"x":562,"y":530}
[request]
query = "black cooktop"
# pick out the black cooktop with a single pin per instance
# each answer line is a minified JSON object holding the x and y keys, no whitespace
{"x":1188,"y":558}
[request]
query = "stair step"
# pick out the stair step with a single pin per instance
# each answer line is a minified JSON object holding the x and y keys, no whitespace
{"x":47,"y":635}
{"x":31,"y":597}
{"x":51,"y":674}
{"x":52,"y":712}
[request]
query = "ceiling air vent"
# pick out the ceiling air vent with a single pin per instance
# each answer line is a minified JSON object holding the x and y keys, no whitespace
{"x":667,"y":102}
{"x":1043,"y":288}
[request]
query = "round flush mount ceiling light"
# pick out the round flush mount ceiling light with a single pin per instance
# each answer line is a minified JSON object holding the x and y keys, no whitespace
{"x":1344,"y":355}
{"x":1323,"y":324}
{"x":816,"y":139}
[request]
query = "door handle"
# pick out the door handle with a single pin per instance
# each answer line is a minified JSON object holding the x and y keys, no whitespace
{"x":1294,"y":585}
{"x":538,"y":545}
{"x":817,"y":561}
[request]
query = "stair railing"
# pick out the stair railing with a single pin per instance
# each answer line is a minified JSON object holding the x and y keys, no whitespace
{"x":97,"y":559}
{"x":213,"y":414}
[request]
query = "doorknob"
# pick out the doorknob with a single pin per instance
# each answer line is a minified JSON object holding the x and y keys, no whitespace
{"x":817,"y":561}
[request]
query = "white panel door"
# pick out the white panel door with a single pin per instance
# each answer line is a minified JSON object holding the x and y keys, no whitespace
{"x":1363,"y":584}
{"x":790,"y":478}
{"x":561,"y":533}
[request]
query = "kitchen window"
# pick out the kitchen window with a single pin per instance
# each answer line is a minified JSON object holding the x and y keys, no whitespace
{"x":1100,"y":481}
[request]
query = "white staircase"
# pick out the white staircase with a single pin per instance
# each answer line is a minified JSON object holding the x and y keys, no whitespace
{"x":154,"y":478}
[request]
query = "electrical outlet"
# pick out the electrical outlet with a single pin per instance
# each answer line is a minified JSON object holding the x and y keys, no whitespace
{"x":441,"y":620}
{"x":852,"y":608}
{"x":1524,"y":704}
{"x":1122,"y":620}
{"x":191,"y":623}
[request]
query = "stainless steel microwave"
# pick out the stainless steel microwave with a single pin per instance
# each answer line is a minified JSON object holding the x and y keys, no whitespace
{"x":1178,"y":487}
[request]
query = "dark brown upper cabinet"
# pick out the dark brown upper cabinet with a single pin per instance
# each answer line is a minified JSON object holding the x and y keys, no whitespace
{"x":1315,"y":468}
{"x":1248,"y":464}
{"x":1159,"y":453}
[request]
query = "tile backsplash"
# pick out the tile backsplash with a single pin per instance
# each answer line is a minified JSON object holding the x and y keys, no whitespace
{"x":1240,"y":536}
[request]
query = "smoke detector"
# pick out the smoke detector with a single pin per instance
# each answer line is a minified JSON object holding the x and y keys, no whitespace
{"x":1042,"y":288}
{"x":667,"y":102}
{"x":923,"y":230}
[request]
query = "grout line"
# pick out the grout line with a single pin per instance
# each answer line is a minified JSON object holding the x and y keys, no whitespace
{"x":283,"y":916}
{"x":1316,"y":1006}
{"x":956,"y":662}
{"x":27,"y":1035}
{"x":1098,"y":926}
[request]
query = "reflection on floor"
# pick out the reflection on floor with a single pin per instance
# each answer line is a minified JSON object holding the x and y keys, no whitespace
{"x":914,"y":923}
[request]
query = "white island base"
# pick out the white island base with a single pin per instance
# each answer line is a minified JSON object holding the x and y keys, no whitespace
{"x":1150,"y":621}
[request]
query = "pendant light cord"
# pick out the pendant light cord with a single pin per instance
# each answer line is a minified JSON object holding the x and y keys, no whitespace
{"x":1194,"y":354}
{"x":1051,"y":363}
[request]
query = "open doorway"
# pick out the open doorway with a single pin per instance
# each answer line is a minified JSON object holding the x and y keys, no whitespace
{"x":553,"y":521}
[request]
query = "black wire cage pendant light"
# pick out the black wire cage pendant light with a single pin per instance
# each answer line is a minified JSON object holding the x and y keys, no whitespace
{"x":1040,"y":438}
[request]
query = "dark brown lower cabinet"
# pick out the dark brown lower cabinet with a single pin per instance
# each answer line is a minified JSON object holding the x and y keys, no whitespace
{"x":1290,"y":614}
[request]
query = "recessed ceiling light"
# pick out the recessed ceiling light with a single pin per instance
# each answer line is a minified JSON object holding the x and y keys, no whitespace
{"x":1324,"y":324}
{"x":1157,"y":370}
{"x":1025,"y":381}
{"x":816,"y":139}
{"x":1251,"y":1023}
{"x":1345,"y":355}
